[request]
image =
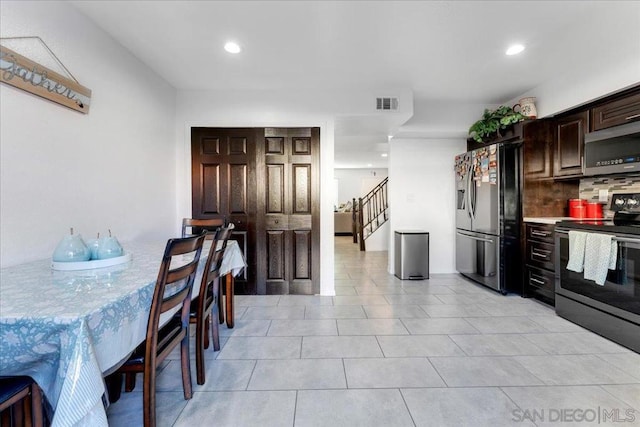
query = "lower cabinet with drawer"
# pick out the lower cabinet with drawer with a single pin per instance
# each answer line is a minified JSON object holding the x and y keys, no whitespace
{"x":540,"y":268}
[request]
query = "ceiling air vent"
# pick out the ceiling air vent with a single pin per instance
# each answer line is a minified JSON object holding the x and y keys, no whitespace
{"x":383,"y":104}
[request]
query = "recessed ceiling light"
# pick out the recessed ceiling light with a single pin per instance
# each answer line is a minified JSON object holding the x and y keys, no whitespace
{"x":232,"y":47}
{"x":369,"y":165}
{"x":515,"y":49}
{"x":384,"y":154}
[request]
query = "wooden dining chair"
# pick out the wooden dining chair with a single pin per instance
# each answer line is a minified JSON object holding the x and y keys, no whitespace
{"x":172,"y":291}
{"x":204,"y":308}
{"x":20,"y":402}
{"x":192,"y":226}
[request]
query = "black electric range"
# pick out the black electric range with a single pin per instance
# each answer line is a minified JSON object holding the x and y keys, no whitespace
{"x":611,"y":309}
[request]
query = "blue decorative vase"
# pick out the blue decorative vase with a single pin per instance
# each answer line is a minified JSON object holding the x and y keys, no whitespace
{"x":109,"y":247}
{"x":93,"y":245}
{"x":71,"y":249}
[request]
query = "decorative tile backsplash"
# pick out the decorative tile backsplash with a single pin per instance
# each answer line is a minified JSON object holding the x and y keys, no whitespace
{"x":590,"y":188}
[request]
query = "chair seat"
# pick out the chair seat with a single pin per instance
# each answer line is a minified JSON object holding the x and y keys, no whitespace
{"x":166,"y":335}
{"x":12,"y":386}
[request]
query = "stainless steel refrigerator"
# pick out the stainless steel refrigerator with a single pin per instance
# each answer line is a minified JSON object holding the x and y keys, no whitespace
{"x":488,"y":216}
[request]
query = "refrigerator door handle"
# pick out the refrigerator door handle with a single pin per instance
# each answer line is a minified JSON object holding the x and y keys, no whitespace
{"x":467,"y":189}
{"x":474,"y":237}
{"x":470,"y":193}
{"x":473,"y":195}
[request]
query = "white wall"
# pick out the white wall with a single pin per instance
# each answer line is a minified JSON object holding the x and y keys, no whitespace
{"x":422,"y":195}
{"x":352,"y":182}
{"x":610,"y":70}
{"x":379,"y":240}
{"x":113,"y":168}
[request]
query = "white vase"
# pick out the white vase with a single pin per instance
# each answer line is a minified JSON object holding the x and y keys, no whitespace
{"x":527,"y":107}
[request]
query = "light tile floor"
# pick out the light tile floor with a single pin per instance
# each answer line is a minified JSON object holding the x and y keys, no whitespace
{"x":385,"y":352}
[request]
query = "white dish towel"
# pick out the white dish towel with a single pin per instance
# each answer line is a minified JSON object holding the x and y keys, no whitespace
{"x":600,"y":255}
{"x":577,"y":242}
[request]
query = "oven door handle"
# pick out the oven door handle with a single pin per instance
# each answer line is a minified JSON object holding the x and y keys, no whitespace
{"x":615,"y":238}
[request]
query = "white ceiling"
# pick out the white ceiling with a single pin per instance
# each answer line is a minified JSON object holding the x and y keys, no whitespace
{"x":446,"y":52}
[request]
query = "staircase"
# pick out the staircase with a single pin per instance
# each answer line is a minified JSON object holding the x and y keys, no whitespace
{"x":369,"y":213}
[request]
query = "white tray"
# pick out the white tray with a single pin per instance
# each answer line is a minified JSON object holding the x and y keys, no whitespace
{"x":88,"y":265}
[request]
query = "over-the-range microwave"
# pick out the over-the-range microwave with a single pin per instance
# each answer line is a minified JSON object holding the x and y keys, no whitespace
{"x":612,"y":151}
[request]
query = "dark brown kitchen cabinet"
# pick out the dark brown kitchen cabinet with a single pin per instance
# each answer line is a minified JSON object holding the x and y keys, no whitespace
{"x":540,"y":267}
{"x":569,"y":145}
{"x":616,"y":112}
{"x":538,"y":149}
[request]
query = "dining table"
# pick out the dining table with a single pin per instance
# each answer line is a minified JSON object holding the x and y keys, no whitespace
{"x":67,"y":329}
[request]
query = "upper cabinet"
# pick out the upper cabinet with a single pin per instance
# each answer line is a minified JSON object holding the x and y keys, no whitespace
{"x":555,"y":148}
{"x":538,"y":150}
{"x":569,"y":144}
{"x":561,"y":157}
{"x":616,"y":112}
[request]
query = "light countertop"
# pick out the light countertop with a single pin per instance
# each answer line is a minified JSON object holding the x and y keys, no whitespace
{"x":554,"y":219}
{"x":548,"y":219}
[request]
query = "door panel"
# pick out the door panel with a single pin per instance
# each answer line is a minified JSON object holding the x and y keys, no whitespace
{"x":302,"y":254}
{"x":274,"y":145}
{"x":275,"y":190}
{"x":223,"y":182}
{"x":465,"y":254}
{"x":463,"y":216}
{"x":290,"y":209}
{"x":238,"y":193}
{"x":301,"y":189}
{"x":486,"y":208}
{"x":237,"y":145}
{"x":302,"y":146}
{"x":478,"y":257}
{"x":210,"y":195}
{"x":210,"y":145}
{"x":485,"y":202}
{"x":276,"y":255}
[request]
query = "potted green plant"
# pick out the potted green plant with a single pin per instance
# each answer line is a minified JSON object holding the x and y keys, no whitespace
{"x":492,"y":122}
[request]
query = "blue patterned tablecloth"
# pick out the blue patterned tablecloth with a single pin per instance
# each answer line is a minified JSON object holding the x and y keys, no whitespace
{"x":66,"y":328}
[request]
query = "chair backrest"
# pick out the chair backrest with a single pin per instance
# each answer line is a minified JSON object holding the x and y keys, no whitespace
{"x":216,"y":253}
{"x":192,"y":227}
{"x":174,"y":283}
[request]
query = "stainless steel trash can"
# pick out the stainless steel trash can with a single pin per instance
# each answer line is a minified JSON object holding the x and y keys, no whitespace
{"x":411,"y":254}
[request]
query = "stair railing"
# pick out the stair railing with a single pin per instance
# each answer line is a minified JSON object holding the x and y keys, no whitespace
{"x":370,"y":212}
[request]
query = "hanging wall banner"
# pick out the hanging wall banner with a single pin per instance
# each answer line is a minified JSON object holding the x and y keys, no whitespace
{"x":23,"y":73}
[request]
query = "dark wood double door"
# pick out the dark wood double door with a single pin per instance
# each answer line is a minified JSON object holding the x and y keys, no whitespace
{"x":266,"y":181}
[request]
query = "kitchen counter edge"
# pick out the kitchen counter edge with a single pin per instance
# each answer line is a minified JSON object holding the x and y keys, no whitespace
{"x":547,"y":220}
